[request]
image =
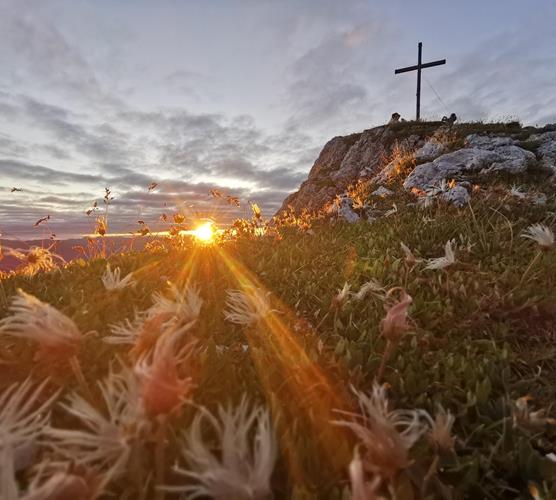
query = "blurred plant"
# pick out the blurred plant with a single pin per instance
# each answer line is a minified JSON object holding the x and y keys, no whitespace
{"x":23,"y":417}
{"x":247,"y":307}
{"x":106,"y":443}
{"x":394,"y":326}
{"x":244,"y":466}
{"x":57,"y":336}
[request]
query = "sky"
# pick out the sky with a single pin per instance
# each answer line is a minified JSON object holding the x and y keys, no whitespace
{"x":237,"y":95}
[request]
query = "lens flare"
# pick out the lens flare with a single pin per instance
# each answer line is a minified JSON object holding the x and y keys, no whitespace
{"x":204,"y":233}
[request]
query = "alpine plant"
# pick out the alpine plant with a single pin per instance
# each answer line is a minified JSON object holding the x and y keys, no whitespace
{"x":242,"y":467}
{"x":23,"y":417}
{"x":176,"y":314}
{"x":542,"y":235}
{"x":247,"y":307}
{"x":445,"y":261}
{"x":385,"y":436}
{"x":163,"y":390}
{"x":56,"y":336}
{"x":106,"y":441}
{"x":112,"y":280}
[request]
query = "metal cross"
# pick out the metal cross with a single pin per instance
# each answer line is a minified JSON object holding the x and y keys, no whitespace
{"x":419,"y":67}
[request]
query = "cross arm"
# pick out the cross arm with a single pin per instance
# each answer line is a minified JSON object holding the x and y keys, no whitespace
{"x":422,"y":66}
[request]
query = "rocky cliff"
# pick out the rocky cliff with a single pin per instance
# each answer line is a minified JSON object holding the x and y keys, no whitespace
{"x":424,"y":157}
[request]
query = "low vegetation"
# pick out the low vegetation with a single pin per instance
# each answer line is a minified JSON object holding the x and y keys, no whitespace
{"x":345,"y":364}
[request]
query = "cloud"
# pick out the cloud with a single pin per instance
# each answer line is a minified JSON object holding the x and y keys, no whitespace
{"x":127,"y":99}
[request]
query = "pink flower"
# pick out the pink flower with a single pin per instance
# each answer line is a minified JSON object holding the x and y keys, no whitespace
{"x":163,"y":391}
{"x":395,"y":325}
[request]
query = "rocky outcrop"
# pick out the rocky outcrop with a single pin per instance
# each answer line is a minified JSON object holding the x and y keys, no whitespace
{"x":343,"y":161}
{"x":546,"y":150}
{"x":481,"y":155}
{"x":432,"y":153}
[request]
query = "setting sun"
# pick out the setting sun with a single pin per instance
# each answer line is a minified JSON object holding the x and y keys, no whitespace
{"x":205,"y":232}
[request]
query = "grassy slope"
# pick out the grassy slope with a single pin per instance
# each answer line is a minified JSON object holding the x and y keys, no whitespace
{"x":484,"y":330}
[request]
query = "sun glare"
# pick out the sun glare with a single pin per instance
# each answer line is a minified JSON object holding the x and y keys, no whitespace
{"x":204,"y":233}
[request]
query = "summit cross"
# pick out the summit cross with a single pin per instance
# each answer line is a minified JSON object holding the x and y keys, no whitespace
{"x":420,"y":66}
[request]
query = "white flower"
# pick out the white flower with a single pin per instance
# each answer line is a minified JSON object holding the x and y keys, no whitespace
{"x":57,"y":336}
{"x":176,"y":314}
{"x":517,"y":192}
{"x":106,"y":442}
{"x":373,"y":287}
{"x":247,"y":307}
{"x":182,"y":306}
{"x":540,"y":234}
{"x":442,"y":262}
{"x":22,"y":419}
{"x":386,"y":435}
{"x":112,"y":279}
{"x":247,"y":453}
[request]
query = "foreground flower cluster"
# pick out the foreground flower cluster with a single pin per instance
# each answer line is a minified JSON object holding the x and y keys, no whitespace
{"x":132,"y":412}
{"x":338,"y":407}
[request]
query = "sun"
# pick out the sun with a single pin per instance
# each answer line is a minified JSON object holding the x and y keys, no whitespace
{"x":204,"y":233}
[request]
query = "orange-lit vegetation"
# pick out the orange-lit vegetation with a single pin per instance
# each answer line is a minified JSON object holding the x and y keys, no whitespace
{"x":297,"y":357}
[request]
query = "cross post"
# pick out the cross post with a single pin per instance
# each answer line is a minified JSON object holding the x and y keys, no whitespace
{"x":420,"y":66}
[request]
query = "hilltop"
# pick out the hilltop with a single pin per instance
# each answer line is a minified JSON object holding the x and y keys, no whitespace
{"x":419,"y":155}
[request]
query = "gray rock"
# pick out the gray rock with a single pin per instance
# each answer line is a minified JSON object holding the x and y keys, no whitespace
{"x":495,"y":155}
{"x":488,"y":141}
{"x":513,"y":159}
{"x":449,"y":166}
{"x":343,"y":209}
{"x":382,"y":192}
{"x":431,"y":150}
{"x":546,"y":150}
{"x":457,"y":196}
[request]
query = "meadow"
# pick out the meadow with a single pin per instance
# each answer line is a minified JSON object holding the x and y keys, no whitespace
{"x":410,"y":357}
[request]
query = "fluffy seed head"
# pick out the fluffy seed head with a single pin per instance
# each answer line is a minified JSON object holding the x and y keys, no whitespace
{"x":56,"y":335}
{"x":23,"y":417}
{"x":542,"y":235}
{"x":441,"y":430}
{"x":243,"y":468}
{"x":396,"y":323}
{"x":34,"y":259}
{"x":386,"y":436}
{"x":105,"y":441}
{"x":163,"y":391}
{"x":247,"y":307}
{"x":112,"y":280}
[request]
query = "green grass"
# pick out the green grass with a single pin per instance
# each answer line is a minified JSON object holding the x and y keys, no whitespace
{"x":484,"y":336}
